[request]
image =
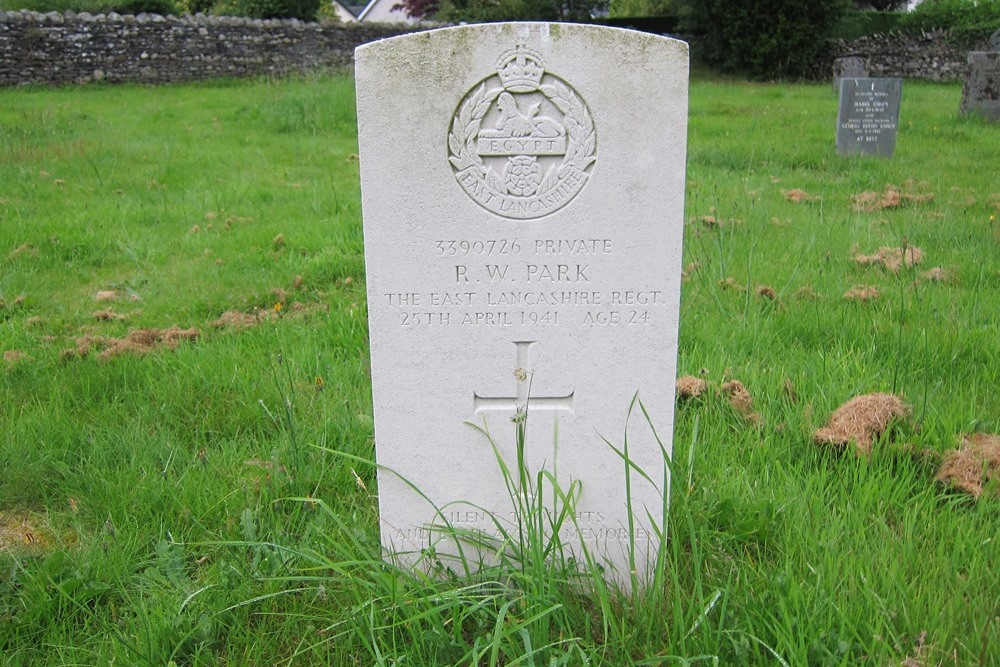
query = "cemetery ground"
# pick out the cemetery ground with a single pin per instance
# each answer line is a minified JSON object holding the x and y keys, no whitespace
{"x":186,"y":469}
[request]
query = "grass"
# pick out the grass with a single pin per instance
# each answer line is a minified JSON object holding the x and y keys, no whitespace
{"x":213,"y":502}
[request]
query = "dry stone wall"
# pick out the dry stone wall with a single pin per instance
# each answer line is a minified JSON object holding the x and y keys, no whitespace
{"x":57,"y":49}
{"x":931,"y":56}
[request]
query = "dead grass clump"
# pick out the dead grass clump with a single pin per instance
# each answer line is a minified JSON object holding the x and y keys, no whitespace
{"x":936,"y":275}
{"x":235,"y":319}
{"x":23,"y":249}
{"x":137,"y":341}
{"x":892,"y":258}
{"x":892,"y":198}
{"x":862,"y":293}
{"x":689,"y":386}
{"x":109,"y":315}
{"x":861,"y":420}
{"x":767,"y":292}
{"x":14,"y":356}
{"x":141,"y":341}
{"x":970,"y":467}
{"x":806,"y":292}
{"x":82,"y":349}
{"x":21,"y":532}
{"x":731,"y":283}
{"x":740,"y":400}
{"x":797,"y":196}
{"x":105,"y":295}
{"x":278,"y":242}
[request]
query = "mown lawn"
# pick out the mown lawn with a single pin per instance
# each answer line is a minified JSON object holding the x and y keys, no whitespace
{"x":186,"y":443}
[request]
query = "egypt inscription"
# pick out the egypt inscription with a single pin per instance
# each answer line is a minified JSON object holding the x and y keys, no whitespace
{"x":522,"y":142}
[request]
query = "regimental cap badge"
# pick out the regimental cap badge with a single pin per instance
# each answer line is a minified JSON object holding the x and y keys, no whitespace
{"x":522,"y":142}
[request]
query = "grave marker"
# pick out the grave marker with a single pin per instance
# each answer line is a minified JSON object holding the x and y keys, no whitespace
{"x":981,"y":91}
{"x":848,"y":67}
{"x":522,"y":189}
{"x":868,"y":116}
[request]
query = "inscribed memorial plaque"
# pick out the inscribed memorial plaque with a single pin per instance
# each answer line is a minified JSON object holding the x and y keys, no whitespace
{"x":868,"y":117}
{"x":981,"y":91}
{"x":522,"y":189}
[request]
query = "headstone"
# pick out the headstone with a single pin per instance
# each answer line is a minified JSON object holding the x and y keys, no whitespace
{"x":981,"y":92}
{"x":522,"y":188}
{"x":848,"y":67}
{"x":868,"y":117}
{"x":995,"y":41}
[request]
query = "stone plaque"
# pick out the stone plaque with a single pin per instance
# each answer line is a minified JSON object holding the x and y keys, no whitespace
{"x":522,"y":189}
{"x":981,"y":92}
{"x":868,"y":118}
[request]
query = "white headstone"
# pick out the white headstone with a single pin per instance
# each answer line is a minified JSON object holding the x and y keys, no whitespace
{"x":522,"y":189}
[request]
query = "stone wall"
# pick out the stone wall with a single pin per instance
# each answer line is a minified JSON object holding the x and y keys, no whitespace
{"x":57,"y":49}
{"x":931,"y":56}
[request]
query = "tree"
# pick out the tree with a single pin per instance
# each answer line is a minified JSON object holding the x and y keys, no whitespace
{"x":278,"y":9}
{"x":880,"y":5}
{"x":475,"y":11}
{"x":636,"y":8}
{"x":764,"y":39}
{"x":418,"y":9}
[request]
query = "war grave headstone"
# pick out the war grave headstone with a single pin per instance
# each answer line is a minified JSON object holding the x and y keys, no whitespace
{"x":981,"y":91}
{"x":868,"y":116}
{"x":522,"y":191}
{"x":848,"y":67}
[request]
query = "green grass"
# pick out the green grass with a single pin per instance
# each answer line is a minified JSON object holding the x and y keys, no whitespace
{"x":214,"y":504}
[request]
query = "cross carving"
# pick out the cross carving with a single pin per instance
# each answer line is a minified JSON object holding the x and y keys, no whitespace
{"x":521,"y":401}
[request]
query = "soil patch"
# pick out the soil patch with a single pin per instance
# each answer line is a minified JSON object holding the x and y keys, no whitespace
{"x":861,"y":420}
{"x":970,"y":467}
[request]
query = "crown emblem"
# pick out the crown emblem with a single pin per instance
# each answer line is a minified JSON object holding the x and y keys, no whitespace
{"x":520,"y":70}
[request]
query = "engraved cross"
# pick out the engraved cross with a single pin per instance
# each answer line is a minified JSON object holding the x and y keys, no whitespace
{"x":521,"y":401}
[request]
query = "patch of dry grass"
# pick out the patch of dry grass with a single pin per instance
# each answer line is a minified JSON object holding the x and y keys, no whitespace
{"x":860,"y":420}
{"x":974,"y":464}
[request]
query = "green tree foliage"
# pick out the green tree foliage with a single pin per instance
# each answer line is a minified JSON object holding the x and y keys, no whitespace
{"x":474,"y":11}
{"x":765,"y":39}
{"x":880,"y":5}
{"x":278,"y":9}
{"x":969,"y":20}
{"x":635,"y":8}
